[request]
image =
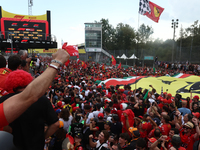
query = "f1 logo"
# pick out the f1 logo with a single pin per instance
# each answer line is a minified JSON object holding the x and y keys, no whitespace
{"x":25,"y":25}
{"x":14,"y":24}
{"x":24,"y":41}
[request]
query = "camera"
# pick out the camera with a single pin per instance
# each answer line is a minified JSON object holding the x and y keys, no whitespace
{"x":33,"y":59}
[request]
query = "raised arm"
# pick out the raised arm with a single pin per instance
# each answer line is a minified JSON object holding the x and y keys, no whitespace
{"x":162,"y":138}
{"x":14,"y":106}
{"x":196,"y":124}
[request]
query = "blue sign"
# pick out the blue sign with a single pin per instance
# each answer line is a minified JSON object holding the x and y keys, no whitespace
{"x":148,"y":57}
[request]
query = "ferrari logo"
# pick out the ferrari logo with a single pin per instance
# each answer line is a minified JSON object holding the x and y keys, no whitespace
{"x":156,"y":12}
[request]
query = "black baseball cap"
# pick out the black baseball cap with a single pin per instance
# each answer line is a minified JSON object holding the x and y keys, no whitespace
{"x":79,"y":135}
{"x":108,"y":123}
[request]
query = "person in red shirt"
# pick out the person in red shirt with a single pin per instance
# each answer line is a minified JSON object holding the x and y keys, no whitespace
{"x":166,"y":127}
{"x":168,"y":140}
{"x":186,"y":135}
{"x":14,"y":63}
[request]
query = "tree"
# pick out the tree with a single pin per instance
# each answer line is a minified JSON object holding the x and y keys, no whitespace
{"x":144,"y":33}
{"x":108,"y":34}
{"x":125,"y":37}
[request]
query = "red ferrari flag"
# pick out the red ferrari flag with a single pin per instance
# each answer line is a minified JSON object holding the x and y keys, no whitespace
{"x":156,"y":11}
{"x":84,"y":65}
{"x":71,"y":49}
{"x":119,"y":67}
{"x":103,"y":67}
{"x":150,"y":9}
{"x":113,"y":61}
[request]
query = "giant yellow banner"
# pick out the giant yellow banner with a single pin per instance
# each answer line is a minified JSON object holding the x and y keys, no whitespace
{"x":171,"y":85}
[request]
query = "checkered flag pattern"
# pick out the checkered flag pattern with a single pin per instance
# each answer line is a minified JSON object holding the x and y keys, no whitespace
{"x":144,"y":7}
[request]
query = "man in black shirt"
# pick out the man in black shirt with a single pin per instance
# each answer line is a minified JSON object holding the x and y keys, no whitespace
{"x":28,"y":129}
{"x":172,"y":114}
{"x":116,"y":126}
{"x":139,"y":108}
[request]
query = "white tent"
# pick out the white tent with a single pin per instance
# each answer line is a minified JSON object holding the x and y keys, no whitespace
{"x":118,"y":57}
{"x":123,"y":56}
{"x":133,"y":57}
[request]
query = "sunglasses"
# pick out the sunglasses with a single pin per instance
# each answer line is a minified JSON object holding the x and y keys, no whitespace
{"x":186,"y":127}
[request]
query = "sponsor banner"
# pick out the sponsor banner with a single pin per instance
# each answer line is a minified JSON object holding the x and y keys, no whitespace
{"x":42,"y":51}
{"x":81,"y":51}
{"x":6,"y":14}
{"x":173,"y":85}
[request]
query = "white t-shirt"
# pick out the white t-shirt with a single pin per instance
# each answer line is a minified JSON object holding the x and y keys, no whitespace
{"x":37,"y":62}
{"x":98,"y":144}
{"x":87,"y":92}
{"x":151,"y":100}
{"x":66,"y":123}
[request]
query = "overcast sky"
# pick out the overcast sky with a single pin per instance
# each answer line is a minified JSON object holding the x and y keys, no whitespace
{"x":68,"y":16}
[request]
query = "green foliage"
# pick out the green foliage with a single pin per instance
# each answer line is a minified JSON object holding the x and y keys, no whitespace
{"x":125,"y":36}
{"x":125,"y":39}
{"x":144,"y":33}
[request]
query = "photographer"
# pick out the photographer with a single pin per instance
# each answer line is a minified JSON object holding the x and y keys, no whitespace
{"x":23,"y":54}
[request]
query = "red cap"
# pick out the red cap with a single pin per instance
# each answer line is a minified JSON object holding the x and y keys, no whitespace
{"x":165,"y":93}
{"x":100,"y":115}
{"x":140,"y":117}
{"x":170,"y":95}
{"x":74,"y":109}
{"x":59,"y":103}
{"x":144,"y":126}
{"x":196,"y":96}
{"x":122,"y":90}
{"x":196,"y":114}
{"x":152,"y":140}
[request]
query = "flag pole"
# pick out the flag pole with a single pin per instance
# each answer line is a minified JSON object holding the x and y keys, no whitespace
{"x":137,"y":50}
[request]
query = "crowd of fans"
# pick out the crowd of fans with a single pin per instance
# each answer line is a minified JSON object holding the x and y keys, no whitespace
{"x":97,"y":116}
{"x":186,"y":67}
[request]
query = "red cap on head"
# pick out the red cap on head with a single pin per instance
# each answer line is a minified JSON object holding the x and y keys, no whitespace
{"x":152,"y":140}
{"x":140,"y":117}
{"x":144,"y":126}
{"x":196,"y":114}
{"x":122,"y":90}
{"x":165,"y":93}
{"x":100,"y":115}
{"x":196,"y":96}
{"x":170,"y":95}
{"x":59,"y":103}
